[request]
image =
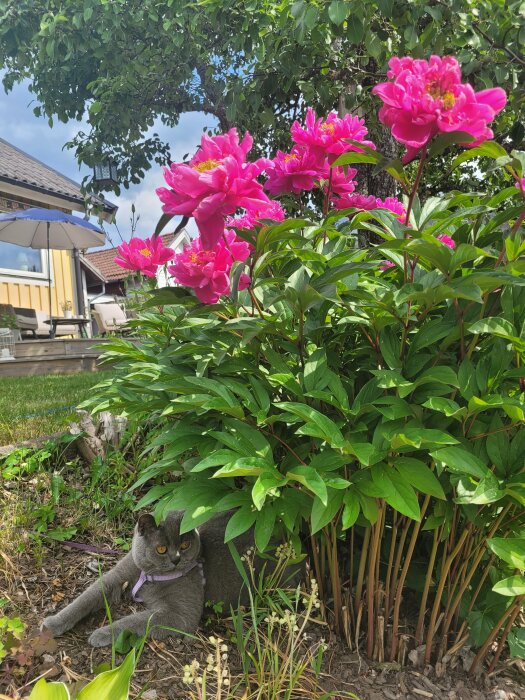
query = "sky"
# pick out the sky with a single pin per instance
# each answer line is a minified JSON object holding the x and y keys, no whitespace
{"x":33,"y":135}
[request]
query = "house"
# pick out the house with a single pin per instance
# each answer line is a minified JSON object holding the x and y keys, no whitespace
{"x":27,"y":182}
{"x":114,"y":280}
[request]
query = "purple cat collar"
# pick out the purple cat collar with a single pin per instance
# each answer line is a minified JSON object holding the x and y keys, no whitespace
{"x":151,"y":578}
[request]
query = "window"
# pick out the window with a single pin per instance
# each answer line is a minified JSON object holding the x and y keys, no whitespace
{"x":20,"y":260}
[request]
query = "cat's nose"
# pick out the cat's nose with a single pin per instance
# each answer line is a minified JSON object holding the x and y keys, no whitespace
{"x":175,"y":559}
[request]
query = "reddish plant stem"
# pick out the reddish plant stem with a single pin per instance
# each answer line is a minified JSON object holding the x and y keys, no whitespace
{"x":401,"y":582}
{"x":426,"y":589}
{"x":397,"y":567}
{"x":361,"y":568}
{"x":388,"y":577}
{"x":439,"y":593}
{"x":371,"y":583}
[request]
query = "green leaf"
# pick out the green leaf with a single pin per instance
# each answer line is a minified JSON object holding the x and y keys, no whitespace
{"x":448,"y":138}
{"x":446,"y":406}
{"x":417,"y":473}
{"x":338,"y":11}
{"x":264,"y":527}
{"x":511,"y":550}
{"x":512,"y":586}
{"x":317,"y":425}
{"x":516,"y":640}
{"x":490,"y":149}
{"x":323,"y":514}
{"x":265,"y":483}
{"x":112,"y":684}
{"x":311,"y":479}
{"x":458,"y":460}
{"x":244,"y":466}
{"x":403,"y":498}
{"x":240,"y":521}
{"x":46,"y":690}
{"x":499,"y":327}
{"x":351,"y":510}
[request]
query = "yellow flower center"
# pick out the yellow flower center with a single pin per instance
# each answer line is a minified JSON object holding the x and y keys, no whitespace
{"x":194,"y":257}
{"x":435,"y":91}
{"x":289,"y":156}
{"x":206,"y":165}
{"x":328,"y":127}
{"x":448,"y":100}
{"x":146,"y":252}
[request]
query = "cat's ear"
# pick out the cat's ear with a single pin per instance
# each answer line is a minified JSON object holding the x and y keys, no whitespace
{"x":146,"y":524}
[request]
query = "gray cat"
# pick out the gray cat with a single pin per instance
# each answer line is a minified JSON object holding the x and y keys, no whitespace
{"x":173,"y":575}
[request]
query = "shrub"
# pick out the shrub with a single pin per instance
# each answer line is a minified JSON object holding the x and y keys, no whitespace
{"x":365,"y":401}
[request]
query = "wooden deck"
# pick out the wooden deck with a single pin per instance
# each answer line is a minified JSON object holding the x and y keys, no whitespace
{"x":60,"y":356}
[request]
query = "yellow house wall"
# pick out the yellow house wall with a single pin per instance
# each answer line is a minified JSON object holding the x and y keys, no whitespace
{"x":34,"y":295}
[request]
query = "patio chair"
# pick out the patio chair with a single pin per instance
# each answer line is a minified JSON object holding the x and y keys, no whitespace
{"x":27,"y":321}
{"x":109,"y":318}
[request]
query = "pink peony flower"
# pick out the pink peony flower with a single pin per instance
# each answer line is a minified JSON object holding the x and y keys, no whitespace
{"x":386,"y":265}
{"x":369,"y":202}
{"x":326,"y":137}
{"x":427,"y":97}
{"x":143,"y":255}
{"x":274,"y":211}
{"x":295,"y":172}
{"x":215,"y":183}
{"x":342,"y":183}
{"x":447,"y":240}
{"x":208,"y":271}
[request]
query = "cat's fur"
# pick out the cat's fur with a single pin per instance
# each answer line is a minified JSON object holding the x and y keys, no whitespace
{"x":176,"y":604}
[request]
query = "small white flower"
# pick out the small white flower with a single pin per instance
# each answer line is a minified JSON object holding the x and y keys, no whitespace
{"x":224,"y":647}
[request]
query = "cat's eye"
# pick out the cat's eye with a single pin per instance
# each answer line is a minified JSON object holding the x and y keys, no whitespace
{"x":184,"y":545}
{"x":161,"y":549}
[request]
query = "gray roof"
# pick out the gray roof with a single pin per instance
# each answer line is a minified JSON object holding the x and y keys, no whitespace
{"x":19,"y":168}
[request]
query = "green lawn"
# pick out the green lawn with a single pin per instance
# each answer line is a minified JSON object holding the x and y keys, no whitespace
{"x":32,"y":407}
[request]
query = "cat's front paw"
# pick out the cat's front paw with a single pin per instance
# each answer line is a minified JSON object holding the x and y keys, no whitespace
{"x":55,"y":624}
{"x":101,"y":637}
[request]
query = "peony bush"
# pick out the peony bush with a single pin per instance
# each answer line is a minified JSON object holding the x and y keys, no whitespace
{"x":365,"y":403}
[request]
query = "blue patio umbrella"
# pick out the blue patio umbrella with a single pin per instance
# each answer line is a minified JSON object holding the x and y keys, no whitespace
{"x":49,"y":228}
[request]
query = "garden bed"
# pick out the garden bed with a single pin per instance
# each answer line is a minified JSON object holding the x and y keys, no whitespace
{"x":63,"y":574}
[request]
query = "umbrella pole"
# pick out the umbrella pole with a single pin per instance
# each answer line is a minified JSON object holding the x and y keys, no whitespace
{"x":49,"y":283}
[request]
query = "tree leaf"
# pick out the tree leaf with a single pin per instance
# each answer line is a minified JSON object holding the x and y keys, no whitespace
{"x":338,"y":11}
